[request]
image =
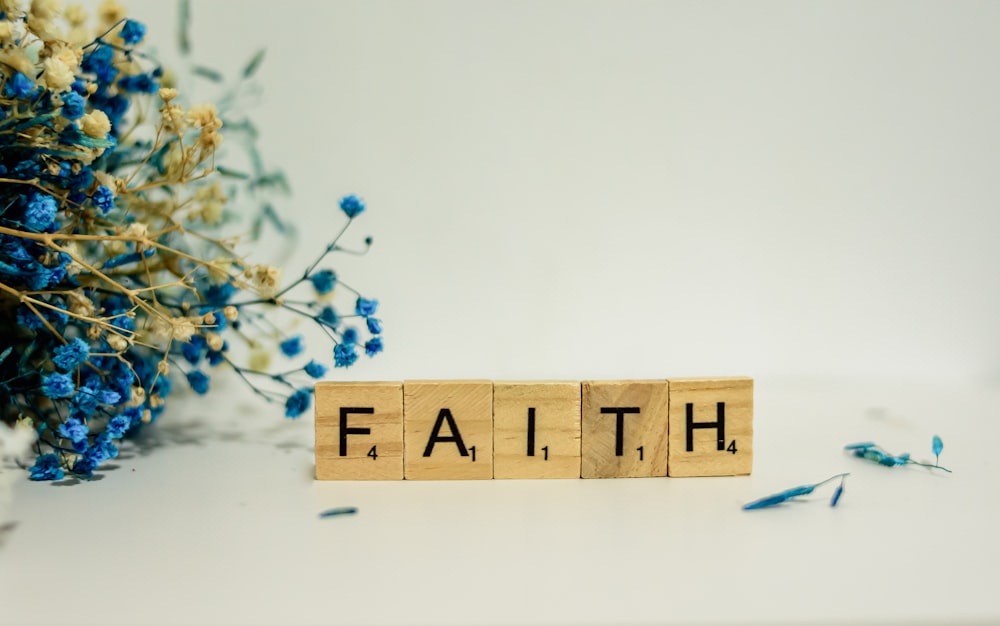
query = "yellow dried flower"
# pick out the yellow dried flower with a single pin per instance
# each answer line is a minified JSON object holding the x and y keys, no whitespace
{"x":214,"y":341}
{"x":58,"y":76}
{"x":95,"y":124}
{"x":111,"y":12}
{"x":46,"y":9}
{"x":75,"y":15}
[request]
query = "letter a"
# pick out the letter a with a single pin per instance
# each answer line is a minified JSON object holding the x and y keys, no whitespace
{"x":445,"y":414}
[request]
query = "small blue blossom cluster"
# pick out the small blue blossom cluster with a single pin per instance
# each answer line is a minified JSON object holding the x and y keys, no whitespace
{"x":107,"y":296}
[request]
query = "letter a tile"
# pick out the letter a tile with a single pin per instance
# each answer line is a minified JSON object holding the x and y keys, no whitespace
{"x":711,"y":426}
{"x":624,"y":429}
{"x":359,"y":431}
{"x":448,"y":429}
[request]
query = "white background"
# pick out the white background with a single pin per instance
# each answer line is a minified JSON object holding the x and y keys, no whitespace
{"x":640,"y":189}
{"x":803,"y":192}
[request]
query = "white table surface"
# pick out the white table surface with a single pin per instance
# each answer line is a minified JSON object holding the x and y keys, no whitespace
{"x":213,"y":519}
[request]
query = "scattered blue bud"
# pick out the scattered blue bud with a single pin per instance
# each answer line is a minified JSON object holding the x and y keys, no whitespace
{"x":836,"y":494}
{"x":765,"y":502}
{"x":344,"y":510}
{"x":788,"y":494}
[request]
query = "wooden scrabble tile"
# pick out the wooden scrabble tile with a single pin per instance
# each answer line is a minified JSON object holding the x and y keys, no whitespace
{"x":536,"y":429}
{"x":624,"y":429}
{"x":448,"y":429}
{"x":711,"y":426}
{"x":359,"y":431}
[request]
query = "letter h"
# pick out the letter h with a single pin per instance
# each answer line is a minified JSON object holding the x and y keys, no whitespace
{"x":719,"y":425}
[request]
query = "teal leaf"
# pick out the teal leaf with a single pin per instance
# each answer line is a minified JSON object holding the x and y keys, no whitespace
{"x":254,"y":63}
{"x":184,"y":30}
{"x":208,"y":73}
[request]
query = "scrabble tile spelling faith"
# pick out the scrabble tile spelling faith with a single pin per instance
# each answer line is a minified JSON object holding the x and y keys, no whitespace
{"x":624,"y":429}
{"x":711,"y":426}
{"x":359,"y":431}
{"x":448,"y":429}
{"x":536,"y":429}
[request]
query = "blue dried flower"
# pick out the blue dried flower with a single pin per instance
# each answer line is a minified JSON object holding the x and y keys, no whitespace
{"x":193,"y":349}
{"x":70,"y":356}
{"x":74,"y":430}
{"x":292,"y":346}
{"x":47,"y":467}
{"x":328,"y":317}
{"x":374,"y":326}
{"x":365,"y":307}
{"x":373,"y":346}
{"x":41,"y":212}
{"x":198,"y":381}
{"x":100,"y":62}
{"x":352,"y":205}
{"x":133,"y":32}
{"x":350,"y":336}
{"x":20,"y":86}
{"x":315,"y":369}
{"x":73,"y":108}
{"x":134,"y":416}
{"x":323,"y":281}
{"x":298,"y":403}
{"x":118,"y":425}
{"x":344,"y":355}
{"x":58,"y":386}
{"x":104,"y":200}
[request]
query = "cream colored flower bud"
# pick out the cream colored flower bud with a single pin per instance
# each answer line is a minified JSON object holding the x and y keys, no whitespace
{"x":80,"y":304}
{"x":163,"y":368}
{"x":183,"y":329}
{"x":58,"y":76}
{"x":12,"y":7}
{"x":75,"y":14}
{"x":266,"y":279}
{"x":214,"y":341}
{"x":260,"y":359}
{"x":95,"y":124}
{"x":111,"y":12}
{"x":117,"y":343}
{"x":167,"y":93}
{"x":138,"y":396}
{"x":204,"y":116}
{"x":46,"y":9}
{"x":231,"y":313}
{"x":136,"y":230}
{"x":70,"y":56}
